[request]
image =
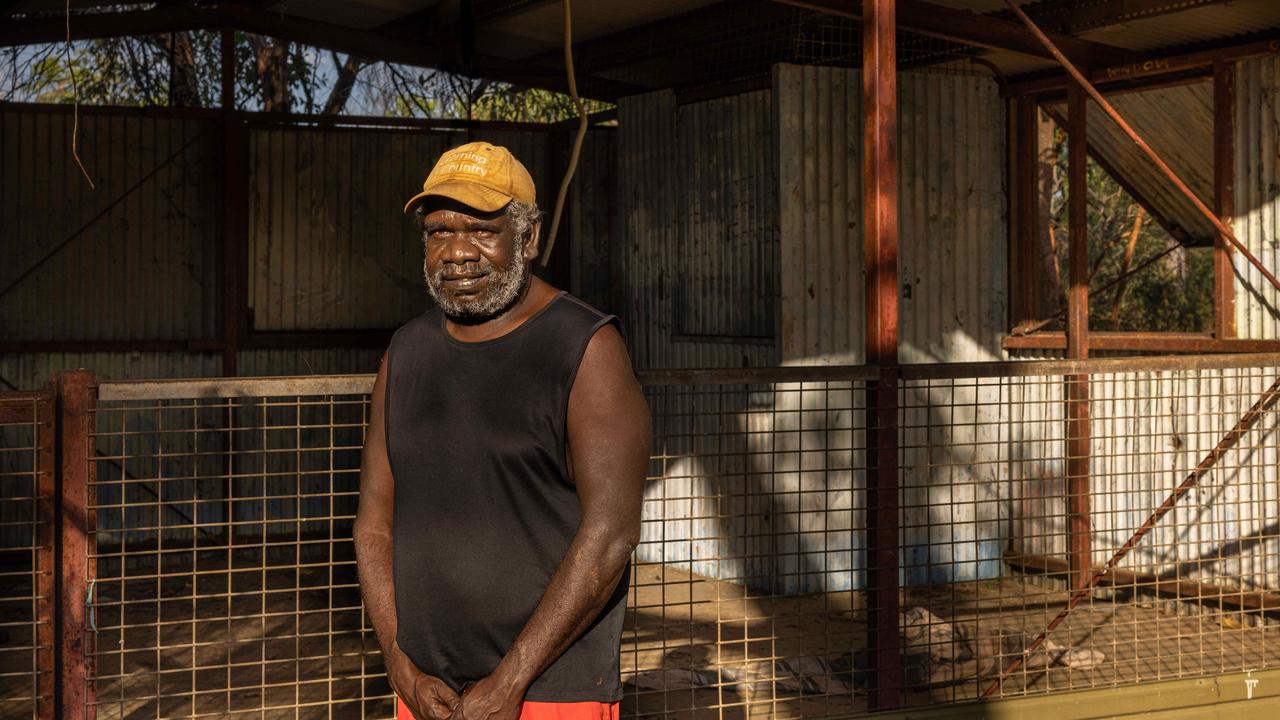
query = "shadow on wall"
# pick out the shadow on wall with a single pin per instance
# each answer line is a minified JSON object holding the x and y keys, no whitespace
{"x":771,"y":492}
{"x":766,"y":487}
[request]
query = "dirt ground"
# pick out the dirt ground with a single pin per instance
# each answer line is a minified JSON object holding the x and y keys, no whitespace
{"x":288,"y":643}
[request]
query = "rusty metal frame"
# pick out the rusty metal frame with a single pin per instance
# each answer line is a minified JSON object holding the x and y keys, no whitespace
{"x":76,"y":396}
{"x":1077,"y":386}
{"x":1152,"y":71}
{"x":880,"y":258}
{"x":1083,"y":579}
{"x":1095,"y":576}
{"x":1083,"y":83}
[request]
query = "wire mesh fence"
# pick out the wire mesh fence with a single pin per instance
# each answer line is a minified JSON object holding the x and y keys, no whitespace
{"x":225,"y":579}
{"x":26,"y":555}
{"x":225,"y":573}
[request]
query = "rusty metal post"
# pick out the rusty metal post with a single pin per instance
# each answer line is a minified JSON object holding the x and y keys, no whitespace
{"x":880,"y":257}
{"x":76,"y":391}
{"x":1079,"y":549}
{"x":46,"y":565}
{"x":1224,"y":168}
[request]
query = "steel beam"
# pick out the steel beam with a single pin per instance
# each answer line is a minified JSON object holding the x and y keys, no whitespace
{"x":880,"y":258}
{"x":1151,"y":68}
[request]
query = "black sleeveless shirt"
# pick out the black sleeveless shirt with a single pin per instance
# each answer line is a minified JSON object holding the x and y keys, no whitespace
{"x":484,"y":507}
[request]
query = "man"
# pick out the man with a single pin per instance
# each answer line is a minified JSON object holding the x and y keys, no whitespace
{"x":503,"y":470}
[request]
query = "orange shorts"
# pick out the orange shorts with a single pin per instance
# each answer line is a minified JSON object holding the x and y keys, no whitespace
{"x":547,"y":711}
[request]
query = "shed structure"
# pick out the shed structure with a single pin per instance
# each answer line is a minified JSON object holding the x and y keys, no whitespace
{"x":885,"y":476}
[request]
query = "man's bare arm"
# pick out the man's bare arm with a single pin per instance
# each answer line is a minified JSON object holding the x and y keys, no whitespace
{"x":426,"y":696}
{"x":608,"y":435}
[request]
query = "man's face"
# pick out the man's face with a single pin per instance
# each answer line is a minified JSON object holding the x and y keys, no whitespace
{"x":475,"y":266}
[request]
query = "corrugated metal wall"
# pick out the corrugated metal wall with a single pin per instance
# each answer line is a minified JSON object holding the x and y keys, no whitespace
{"x":131,"y":258}
{"x":329,"y":246}
{"x":697,"y":209}
{"x":953,"y":216}
{"x":1257,"y":195}
{"x":953,"y":308}
{"x":595,"y":249}
{"x":138,"y":257}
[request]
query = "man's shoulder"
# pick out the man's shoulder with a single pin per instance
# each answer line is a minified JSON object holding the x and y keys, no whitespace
{"x":419,"y":328}
{"x":580,"y":307}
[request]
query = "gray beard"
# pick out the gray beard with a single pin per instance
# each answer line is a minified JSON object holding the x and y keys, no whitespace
{"x":504,"y":290}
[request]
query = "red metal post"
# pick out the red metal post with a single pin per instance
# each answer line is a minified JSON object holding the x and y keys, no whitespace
{"x":1224,"y":169}
{"x":880,"y":257}
{"x":46,"y":565}
{"x":76,"y":391}
{"x":1078,"y":523}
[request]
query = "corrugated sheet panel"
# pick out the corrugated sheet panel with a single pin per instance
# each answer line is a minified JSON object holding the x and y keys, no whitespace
{"x":595,"y":247}
{"x":820,"y":178}
{"x":1177,"y":122}
{"x":953,"y":216}
{"x":1257,"y":195}
{"x":697,"y":223}
{"x":329,"y":246}
{"x":133,"y":257}
{"x":953,"y":212}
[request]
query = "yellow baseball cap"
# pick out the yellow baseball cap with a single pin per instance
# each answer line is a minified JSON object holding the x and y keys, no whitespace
{"x":479,"y":175}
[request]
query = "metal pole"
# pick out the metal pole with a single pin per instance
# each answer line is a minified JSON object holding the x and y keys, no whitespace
{"x":880,"y":256}
{"x":1078,"y":445}
{"x":1224,"y":170}
{"x":75,"y":396}
{"x":1168,"y":172}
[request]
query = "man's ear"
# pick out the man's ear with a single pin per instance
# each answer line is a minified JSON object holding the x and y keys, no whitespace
{"x":533,"y":242}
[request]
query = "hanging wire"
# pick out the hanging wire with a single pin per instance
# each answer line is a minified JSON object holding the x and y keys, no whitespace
{"x":577,"y":141}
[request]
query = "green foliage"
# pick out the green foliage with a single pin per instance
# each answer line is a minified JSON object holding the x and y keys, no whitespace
{"x":184,"y":69}
{"x":1172,"y":294}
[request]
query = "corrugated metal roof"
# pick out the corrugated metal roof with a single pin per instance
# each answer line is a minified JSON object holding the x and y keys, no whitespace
{"x":1191,"y":26}
{"x":1177,"y":122}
